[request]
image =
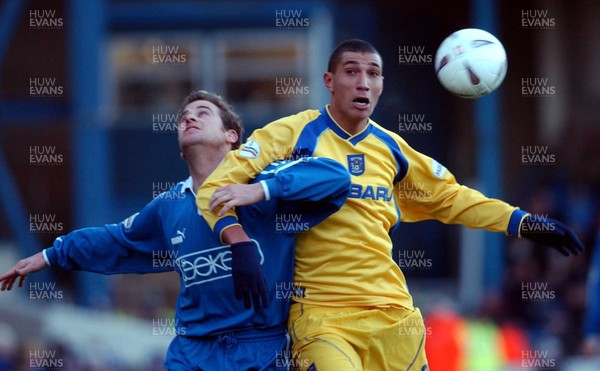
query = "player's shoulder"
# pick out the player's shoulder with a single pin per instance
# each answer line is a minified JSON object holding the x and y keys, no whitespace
{"x":298,"y":119}
{"x":386,"y":134}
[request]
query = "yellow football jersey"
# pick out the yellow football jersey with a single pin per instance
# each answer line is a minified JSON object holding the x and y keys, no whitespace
{"x":346,"y":260}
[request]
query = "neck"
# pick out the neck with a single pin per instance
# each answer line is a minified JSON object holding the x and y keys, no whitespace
{"x":351,"y":126}
{"x":203,"y":160}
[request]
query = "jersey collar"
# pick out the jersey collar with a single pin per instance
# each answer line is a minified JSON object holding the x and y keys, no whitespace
{"x":354,"y":139}
{"x":188,"y":184}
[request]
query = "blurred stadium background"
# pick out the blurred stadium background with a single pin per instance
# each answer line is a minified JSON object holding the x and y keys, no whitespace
{"x":88,"y":94}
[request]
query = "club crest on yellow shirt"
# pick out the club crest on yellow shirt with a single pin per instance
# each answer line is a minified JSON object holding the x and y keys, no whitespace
{"x":356,"y":164}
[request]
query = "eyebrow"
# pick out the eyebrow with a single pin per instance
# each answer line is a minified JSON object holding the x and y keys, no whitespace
{"x":197,"y":107}
{"x":203,"y":106}
{"x":353,"y":62}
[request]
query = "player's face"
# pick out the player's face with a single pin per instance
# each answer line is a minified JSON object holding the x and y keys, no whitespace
{"x":355,"y":86}
{"x":201,"y":123}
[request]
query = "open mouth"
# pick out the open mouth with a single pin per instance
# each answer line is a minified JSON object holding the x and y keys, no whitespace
{"x":361,"y":102}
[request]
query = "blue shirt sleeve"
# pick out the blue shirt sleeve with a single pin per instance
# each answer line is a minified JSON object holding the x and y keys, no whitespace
{"x":311,"y":188}
{"x":132,"y":246}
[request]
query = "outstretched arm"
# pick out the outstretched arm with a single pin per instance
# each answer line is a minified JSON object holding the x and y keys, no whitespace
{"x":430,"y":191}
{"x":126,"y":247}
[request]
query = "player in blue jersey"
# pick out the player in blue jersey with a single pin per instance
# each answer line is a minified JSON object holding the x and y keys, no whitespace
{"x":215,"y":331}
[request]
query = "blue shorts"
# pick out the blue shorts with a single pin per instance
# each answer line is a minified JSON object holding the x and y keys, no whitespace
{"x":248,"y":350}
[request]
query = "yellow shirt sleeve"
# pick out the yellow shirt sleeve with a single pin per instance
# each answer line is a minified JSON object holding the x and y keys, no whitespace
{"x":430,"y":191}
{"x":273,"y":142}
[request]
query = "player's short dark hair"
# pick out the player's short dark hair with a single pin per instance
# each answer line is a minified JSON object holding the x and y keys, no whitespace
{"x":230,"y":118}
{"x":352,"y":45}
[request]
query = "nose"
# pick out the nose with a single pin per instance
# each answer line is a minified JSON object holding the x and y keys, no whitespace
{"x":363,"y":81}
{"x":189,"y":118}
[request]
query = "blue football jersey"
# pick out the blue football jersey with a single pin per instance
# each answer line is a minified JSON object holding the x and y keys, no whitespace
{"x":170,"y":234}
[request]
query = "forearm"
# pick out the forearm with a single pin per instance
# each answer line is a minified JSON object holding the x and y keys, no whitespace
{"x":457,"y":204}
{"x":234,"y":234}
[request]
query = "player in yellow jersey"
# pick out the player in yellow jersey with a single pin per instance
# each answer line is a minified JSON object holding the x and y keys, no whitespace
{"x":354,"y":310}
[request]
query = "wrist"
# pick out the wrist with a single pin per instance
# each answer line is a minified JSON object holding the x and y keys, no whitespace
{"x":234,"y":233}
{"x":241,"y":244}
{"x":266,"y":192}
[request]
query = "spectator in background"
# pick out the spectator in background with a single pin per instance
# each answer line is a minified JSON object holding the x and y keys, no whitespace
{"x":591,"y":341}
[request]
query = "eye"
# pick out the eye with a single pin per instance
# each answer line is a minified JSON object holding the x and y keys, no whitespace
{"x":351,"y":72}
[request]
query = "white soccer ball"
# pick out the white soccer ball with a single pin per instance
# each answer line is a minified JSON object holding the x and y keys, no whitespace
{"x":471,"y":63}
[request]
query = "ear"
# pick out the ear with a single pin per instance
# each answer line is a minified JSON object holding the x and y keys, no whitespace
{"x":328,"y":80}
{"x":182,"y":155}
{"x":232,"y":136}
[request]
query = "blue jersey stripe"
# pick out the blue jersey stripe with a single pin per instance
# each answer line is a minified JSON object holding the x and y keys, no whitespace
{"x":401,"y":164}
{"x":361,"y":136}
{"x":401,"y":161}
{"x":332,"y":125}
{"x":340,"y":132}
{"x":309,"y":137}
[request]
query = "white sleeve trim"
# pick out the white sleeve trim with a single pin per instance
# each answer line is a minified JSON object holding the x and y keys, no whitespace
{"x":46,"y":257}
{"x":266,"y":190}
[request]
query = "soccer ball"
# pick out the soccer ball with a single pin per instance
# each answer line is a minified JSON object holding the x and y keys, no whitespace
{"x":471,"y":63}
